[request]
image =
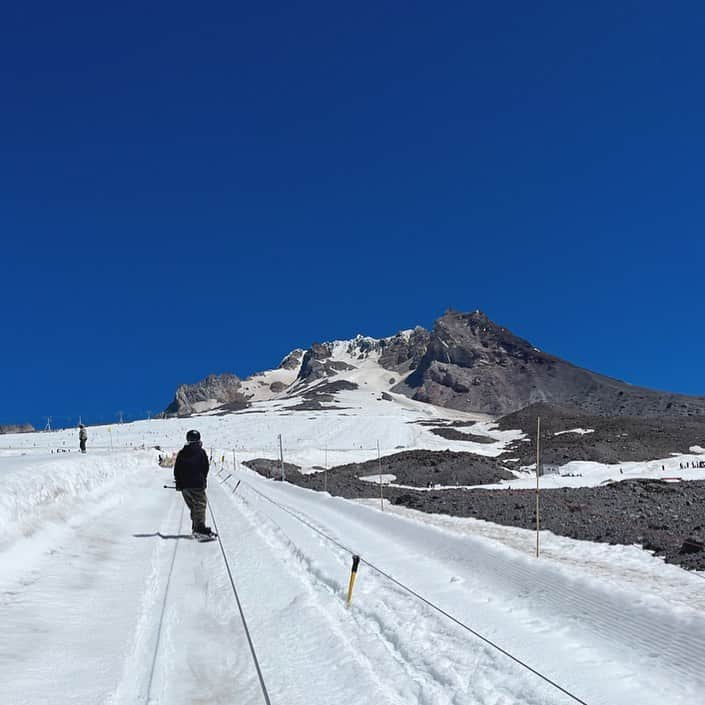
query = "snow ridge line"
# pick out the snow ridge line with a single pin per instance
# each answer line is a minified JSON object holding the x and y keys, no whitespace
{"x":426,"y":601}
{"x":161,"y":616}
{"x":239,"y":606}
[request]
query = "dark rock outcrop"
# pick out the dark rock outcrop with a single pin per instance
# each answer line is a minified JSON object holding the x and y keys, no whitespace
{"x":473,"y":364}
{"x":612,"y":439}
{"x":317,"y":365}
{"x":213,"y":391}
{"x":292,"y":361}
{"x":404,"y":352}
{"x":271,"y":468}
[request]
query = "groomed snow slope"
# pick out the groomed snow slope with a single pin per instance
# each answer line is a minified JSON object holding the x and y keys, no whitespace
{"x":106,"y":601}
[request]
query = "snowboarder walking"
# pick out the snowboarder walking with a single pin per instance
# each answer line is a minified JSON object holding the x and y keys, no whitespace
{"x":82,"y":437}
{"x":190,"y":478}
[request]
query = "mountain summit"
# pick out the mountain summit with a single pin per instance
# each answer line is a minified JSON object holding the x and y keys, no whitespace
{"x":473,"y":364}
{"x":466,"y":362}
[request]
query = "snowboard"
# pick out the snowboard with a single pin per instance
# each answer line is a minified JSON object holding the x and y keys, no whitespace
{"x":204,"y":538}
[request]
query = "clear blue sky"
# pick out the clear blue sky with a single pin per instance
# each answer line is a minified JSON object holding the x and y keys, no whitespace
{"x":193,"y":188}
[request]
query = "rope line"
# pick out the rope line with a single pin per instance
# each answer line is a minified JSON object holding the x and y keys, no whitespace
{"x":242,"y":613}
{"x":423,"y":599}
{"x":161,"y":616}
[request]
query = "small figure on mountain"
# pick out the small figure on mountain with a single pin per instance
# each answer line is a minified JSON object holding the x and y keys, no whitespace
{"x":82,"y":437}
{"x":190,"y":477}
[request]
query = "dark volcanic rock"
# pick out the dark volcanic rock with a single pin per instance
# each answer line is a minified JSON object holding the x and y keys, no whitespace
{"x":659,"y":516}
{"x":473,"y":364}
{"x":312,"y":367}
{"x":317,"y":365}
{"x":292,"y":361}
{"x":417,"y":468}
{"x":214,"y":389}
{"x":666,"y":518}
{"x":614,"y":438}
{"x":404,"y":352}
{"x":315,"y":398}
{"x":453,"y":434}
{"x":271,"y":468}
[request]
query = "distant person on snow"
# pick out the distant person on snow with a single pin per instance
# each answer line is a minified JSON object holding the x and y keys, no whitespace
{"x":82,"y":437}
{"x":190,"y":478}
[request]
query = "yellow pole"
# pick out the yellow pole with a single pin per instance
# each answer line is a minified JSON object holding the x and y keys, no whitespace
{"x":353,"y":575}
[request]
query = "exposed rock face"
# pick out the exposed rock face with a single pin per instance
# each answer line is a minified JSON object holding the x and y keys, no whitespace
{"x":404,"y":352}
{"x":17,"y":428}
{"x":571,"y":434}
{"x":472,"y":364}
{"x":209,"y":393}
{"x":316,"y":364}
{"x":292,"y":361}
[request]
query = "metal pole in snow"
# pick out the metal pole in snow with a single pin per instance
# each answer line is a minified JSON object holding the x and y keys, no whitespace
{"x":281,"y":456}
{"x":379,"y":470}
{"x":538,"y":472}
{"x":234,"y":460}
{"x":325,"y":472}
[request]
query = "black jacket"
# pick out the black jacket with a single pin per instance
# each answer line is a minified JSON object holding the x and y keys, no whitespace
{"x":191,"y":468}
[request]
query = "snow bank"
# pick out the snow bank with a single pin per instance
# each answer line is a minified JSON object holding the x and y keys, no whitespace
{"x":37,"y":492}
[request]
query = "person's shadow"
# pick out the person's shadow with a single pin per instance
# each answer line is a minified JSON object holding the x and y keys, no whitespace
{"x":162,"y":536}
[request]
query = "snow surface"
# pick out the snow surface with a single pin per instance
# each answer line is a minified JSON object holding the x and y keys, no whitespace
{"x":89,"y":577}
{"x":104,"y":599}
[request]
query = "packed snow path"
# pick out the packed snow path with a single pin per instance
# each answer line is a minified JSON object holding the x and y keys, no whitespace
{"x":103,"y":602}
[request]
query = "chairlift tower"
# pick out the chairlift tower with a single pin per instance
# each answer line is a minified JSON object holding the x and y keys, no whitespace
{"x":48,"y":426}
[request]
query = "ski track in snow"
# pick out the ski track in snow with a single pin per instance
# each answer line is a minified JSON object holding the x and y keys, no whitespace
{"x":604,"y":632}
{"x":105,"y":604}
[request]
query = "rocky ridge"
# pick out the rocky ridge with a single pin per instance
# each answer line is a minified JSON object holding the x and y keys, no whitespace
{"x":473,"y":364}
{"x":212,"y":392}
{"x":467,"y":362}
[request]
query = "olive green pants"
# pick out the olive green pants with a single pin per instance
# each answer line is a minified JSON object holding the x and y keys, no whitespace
{"x":197,"y":502}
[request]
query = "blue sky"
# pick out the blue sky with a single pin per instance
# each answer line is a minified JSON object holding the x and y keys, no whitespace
{"x":187,"y":189}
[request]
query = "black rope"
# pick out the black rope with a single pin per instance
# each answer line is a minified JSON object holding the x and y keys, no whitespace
{"x":420,"y":597}
{"x":161,"y":616}
{"x":239,"y":606}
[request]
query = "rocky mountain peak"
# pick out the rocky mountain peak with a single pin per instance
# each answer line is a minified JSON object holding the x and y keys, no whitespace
{"x":316,"y":363}
{"x":208,"y":393}
{"x":469,"y":340}
{"x":472,"y":363}
{"x":292,"y":361}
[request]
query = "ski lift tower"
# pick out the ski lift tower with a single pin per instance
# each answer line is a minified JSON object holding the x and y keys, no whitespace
{"x":48,"y":426}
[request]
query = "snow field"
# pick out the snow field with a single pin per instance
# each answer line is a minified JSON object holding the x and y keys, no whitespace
{"x":549,"y":618}
{"x":47,"y":492}
{"x":71,"y":606}
{"x":98,"y":615}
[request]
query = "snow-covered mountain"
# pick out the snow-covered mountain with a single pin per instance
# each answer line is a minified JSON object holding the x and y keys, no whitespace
{"x":466,"y":362}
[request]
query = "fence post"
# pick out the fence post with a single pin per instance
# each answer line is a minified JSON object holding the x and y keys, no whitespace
{"x":353,"y":575}
{"x":281,"y":456}
{"x":379,"y":470}
{"x":538,"y":472}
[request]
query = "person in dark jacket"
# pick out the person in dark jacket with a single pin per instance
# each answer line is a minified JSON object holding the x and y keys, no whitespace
{"x":190,"y":478}
{"x":82,"y":437}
